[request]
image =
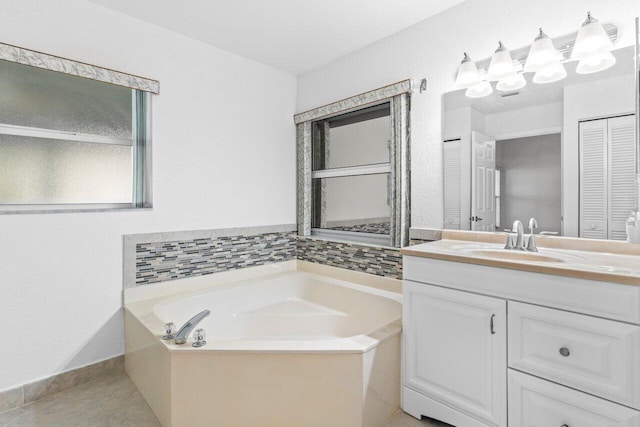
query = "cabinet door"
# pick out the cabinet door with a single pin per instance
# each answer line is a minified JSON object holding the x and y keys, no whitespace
{"x":455,"y":349}
{"x":537,"y":403}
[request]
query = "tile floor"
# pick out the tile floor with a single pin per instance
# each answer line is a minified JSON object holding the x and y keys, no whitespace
{"x":115,"y":402}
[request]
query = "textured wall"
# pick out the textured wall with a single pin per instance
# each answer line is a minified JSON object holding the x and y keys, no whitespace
{"x":63,"y":272}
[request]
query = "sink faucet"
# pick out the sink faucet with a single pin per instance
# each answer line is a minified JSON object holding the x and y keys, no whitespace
{"x":518,"y":228}
{"x":185,"y":330}
{"x":531,"y":244}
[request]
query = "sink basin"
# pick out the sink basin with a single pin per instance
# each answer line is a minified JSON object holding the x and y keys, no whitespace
{"x":515,"y":255}
{"x":488,"y":250}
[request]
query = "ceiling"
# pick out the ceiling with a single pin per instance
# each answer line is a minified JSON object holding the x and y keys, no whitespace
{"x":291,"y":35}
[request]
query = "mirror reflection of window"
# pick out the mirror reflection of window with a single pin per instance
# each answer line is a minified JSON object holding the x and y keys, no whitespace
{"x":351,"y":170}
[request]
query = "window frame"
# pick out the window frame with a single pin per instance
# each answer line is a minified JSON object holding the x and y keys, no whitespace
{"x":398,"y":96}
{"x":140,"y":141}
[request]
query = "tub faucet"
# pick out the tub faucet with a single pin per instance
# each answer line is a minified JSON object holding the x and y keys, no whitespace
{"x":185,"y":330}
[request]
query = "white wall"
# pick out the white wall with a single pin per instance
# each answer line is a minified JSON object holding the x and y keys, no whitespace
{"x":530,"y":180}
{"x":220,"y":125}
{"x":433,"y":49}
{"x":536,"y":120}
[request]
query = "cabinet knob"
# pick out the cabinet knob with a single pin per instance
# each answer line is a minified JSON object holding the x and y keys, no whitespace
{"x":564,"y":352}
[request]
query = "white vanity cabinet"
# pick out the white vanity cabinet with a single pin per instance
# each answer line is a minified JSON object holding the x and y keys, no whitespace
{"x":455,"y":349}
{"x":562,"y":351}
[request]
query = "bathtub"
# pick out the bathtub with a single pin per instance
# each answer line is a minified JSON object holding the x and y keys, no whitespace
{"x":290,"y":349}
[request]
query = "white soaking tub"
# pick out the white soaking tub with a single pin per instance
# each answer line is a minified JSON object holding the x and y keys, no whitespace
{"x":290,"y":349}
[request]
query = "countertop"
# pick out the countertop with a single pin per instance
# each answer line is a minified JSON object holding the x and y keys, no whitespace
{"x":608,"y":261}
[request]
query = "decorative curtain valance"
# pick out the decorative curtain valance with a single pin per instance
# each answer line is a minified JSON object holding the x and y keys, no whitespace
{"x":75,"y":68}
{"x":354,"y":102}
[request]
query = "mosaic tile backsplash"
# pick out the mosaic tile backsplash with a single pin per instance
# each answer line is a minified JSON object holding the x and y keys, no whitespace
{"x":160,"y":257}
{"x":170,"y":260}
{"x":367,"y":259}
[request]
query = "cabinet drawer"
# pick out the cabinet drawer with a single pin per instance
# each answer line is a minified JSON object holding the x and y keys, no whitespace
{"x":591,"y":354}
{"x":534,"y":403}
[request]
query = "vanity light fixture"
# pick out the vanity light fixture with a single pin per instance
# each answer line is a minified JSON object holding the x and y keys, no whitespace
{"x":468,"y":74}
{"x":594,"y":63}
{"x":501,"y":65}
{"x":480,"y":90}
{"x":592,"y":48}
{"x":544,"y":61}
{"x":513,"y":81}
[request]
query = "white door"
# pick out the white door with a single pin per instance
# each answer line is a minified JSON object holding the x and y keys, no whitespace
{"x":451,"y":166}
{"x":607,"y":176}
{"x":483,"y":165}
{"x":455,"y":350}
{"x":622,"y":174}
{"x":593,"y":179}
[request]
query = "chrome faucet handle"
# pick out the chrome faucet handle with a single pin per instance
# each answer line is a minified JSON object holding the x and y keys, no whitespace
{"x":531,"y":243}
{"x":199,"y":338}
{"x":509,"y":243}
{"x":169,"y":331}
{"x":533,"y":224}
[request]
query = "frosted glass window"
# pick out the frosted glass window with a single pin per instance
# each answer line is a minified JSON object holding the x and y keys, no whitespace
{"x":45,"y":171}
{"x":69,"y":142}
{"x":45,"y":99}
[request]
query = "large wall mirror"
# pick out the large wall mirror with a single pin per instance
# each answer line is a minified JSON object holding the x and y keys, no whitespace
{"x":564,"y":153}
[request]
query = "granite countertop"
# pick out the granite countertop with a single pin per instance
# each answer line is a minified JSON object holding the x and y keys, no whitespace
{"x":602,"y":260}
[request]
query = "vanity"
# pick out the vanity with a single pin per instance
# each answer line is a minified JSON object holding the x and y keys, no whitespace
{"x":496,"y":337}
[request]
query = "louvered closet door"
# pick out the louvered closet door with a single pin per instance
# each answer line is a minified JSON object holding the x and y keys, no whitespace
{"x":451,"y":164}
{"x":622,"y":171}
{"x":593,"y":179}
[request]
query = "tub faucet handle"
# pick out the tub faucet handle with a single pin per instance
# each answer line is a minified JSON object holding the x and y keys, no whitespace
{"x":169,"y":331}
{"x":199,"y":338}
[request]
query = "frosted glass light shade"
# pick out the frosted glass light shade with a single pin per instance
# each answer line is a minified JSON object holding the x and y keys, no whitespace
{"x":480,"y":90}
{"x":512,"y":82}
{"x":550,"y":73}
{"x":542,"y":53}
{"x":468,"y":74}
{"x":592,"y":39}
{"x":501,"y":64}
{"x":595,"y":63}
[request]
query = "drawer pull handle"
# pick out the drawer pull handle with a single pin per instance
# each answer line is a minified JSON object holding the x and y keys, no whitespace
{"x":564,"y":425}
{"x":493,"y":331}
{"x":564,"y":352}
